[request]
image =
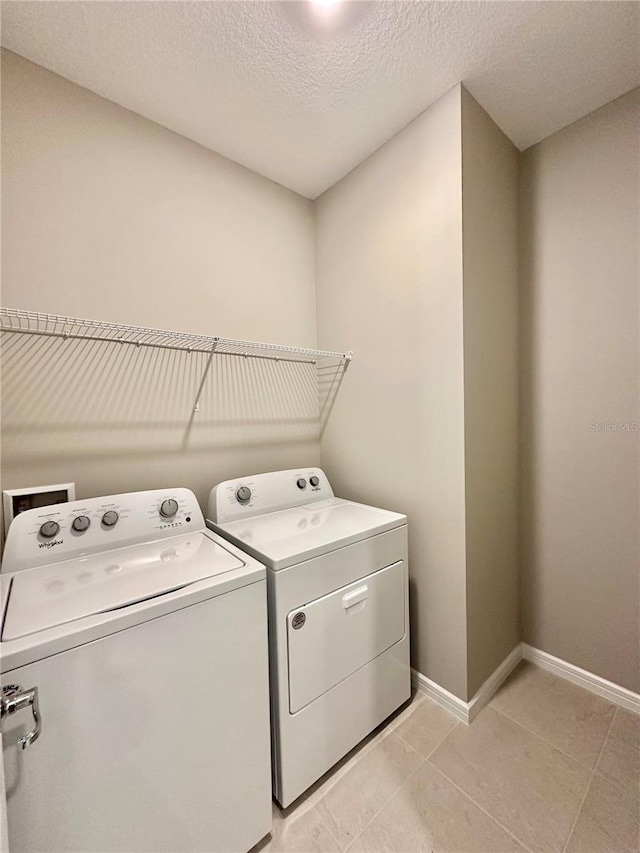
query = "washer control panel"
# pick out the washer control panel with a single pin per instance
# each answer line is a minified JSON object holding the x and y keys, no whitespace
{"x":263,"y":493}
{"x":58,"y":532}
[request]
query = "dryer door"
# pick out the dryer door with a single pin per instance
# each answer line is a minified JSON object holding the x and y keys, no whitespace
{"x":333,"y":636}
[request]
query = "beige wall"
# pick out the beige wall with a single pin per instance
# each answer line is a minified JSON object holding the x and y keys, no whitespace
{"x":580,"y":283}
{"x":490,"y":252}
{"x":416,"y":264}
{"x":389,"y":278}
{"x":106,"y":215}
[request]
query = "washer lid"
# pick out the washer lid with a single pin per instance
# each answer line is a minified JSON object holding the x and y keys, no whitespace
{"x":290,"y":536}
{"x":63,"y":592}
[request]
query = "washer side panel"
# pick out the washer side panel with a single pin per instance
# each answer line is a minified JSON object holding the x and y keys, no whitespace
{"x":154,"y":739}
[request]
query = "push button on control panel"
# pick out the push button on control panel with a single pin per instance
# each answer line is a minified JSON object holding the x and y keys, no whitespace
{"x":80,"y":523}
{"x":49,"y":529}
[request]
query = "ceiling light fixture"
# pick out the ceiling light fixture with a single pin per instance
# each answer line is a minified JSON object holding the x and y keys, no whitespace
{"x":325,"y":7}
{"x":326,"y":12}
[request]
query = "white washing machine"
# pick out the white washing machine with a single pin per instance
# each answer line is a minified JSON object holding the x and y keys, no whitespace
{"x":143,"y":638}
{"x":337,"y":585}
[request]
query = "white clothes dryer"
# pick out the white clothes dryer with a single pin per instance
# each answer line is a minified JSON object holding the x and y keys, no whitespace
{"x":135,"y":703}
{"x":337,"y":589}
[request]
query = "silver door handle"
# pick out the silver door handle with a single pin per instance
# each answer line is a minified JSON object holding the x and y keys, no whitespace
{"x":13,"y":699}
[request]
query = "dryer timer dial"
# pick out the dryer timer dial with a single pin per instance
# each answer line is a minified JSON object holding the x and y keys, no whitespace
{"x":243,"y":494}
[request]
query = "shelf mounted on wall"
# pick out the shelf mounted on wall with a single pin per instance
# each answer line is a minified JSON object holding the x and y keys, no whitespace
{"x":330,"y":366}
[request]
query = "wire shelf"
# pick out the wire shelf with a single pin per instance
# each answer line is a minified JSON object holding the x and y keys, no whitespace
{"x":55,"y":325}
{"x":327,"y":367}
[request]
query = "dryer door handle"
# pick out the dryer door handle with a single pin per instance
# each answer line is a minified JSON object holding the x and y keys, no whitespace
{"x":356,"y":597}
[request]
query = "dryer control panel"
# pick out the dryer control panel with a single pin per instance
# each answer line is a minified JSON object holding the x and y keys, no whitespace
{"x":50,"y":534}
{"x":261,"y":493}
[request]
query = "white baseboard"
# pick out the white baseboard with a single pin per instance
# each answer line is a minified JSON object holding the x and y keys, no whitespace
{"x":467,"y":711}
{"x":487,"y":690}
{"x":594,"y":683}
{"x":440,"y":696}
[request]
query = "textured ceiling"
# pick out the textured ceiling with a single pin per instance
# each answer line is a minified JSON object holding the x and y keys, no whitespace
{"x":302,"y":93}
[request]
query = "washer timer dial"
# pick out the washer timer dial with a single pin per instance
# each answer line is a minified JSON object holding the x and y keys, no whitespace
{"x":81,"y":523}
{"x":168,"y":508}
{"x":110,"y":518}
{"x":49,"y":529}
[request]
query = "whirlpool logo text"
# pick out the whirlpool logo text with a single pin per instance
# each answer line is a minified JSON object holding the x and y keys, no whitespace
{"x":50,"y":544}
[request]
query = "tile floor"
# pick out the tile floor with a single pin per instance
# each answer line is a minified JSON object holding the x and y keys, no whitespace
{"x":546,"y":766}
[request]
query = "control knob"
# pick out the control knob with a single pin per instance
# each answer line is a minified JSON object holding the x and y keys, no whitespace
{"x":49,"y":529}
{"x":168,"y":508}
{"x":243,"y":494}
{"x":302,"y":483}
{"x":314,"y":480}
{"x":110,"y":518}
{"x":80,"y":523}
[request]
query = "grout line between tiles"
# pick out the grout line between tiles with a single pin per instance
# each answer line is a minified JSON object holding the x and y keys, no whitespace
{"x":386,"y":802}
{"x":326,"y":825}
{"x":453,"y":728}
{"x":606,"y":740}
{"x":413,"y":772}
{"x":337,"y":775}
{"x":518,"y":841}
{"x":441,"y":741}
{"x":404,"y":782}
{"x":593,"y":773}
{"x":553,"y":745}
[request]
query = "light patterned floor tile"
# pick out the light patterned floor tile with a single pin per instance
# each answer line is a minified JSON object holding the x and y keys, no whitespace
{"x":608,"y":820}
{"x":567,"y":716}
{"x":355,"y":799}
{"x":620,"y":759}
{"x":383,"y":797}
{"x":528,"y":786}
{"x":429,"y":814}
{"x":426,"y":726}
